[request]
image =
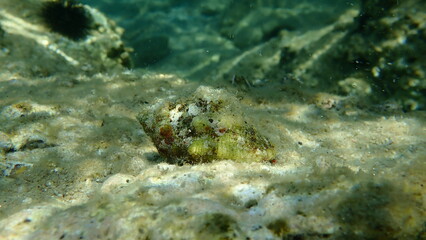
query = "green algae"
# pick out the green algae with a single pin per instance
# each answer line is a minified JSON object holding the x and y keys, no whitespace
{"x":218,"y":226}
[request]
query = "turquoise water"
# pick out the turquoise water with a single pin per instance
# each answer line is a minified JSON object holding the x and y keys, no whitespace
{"x":374,"y":42}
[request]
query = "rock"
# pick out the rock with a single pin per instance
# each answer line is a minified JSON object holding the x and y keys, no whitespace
{"x":54,"y":45}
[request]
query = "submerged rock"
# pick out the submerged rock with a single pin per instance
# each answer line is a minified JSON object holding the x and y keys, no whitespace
{"x":204,"y":127}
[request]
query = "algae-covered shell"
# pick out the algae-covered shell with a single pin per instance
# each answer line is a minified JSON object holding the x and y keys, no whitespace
{"x":204,"y":127}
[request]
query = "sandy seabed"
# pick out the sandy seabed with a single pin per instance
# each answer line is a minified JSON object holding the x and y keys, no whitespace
{"x":76,"y":164}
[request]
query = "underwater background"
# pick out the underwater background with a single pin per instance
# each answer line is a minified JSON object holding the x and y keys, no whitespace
{"x":194,"y":38}
{"x":167,"y":119}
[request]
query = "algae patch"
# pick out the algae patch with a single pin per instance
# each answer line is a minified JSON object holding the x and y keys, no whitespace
{"x":204,"y":127}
